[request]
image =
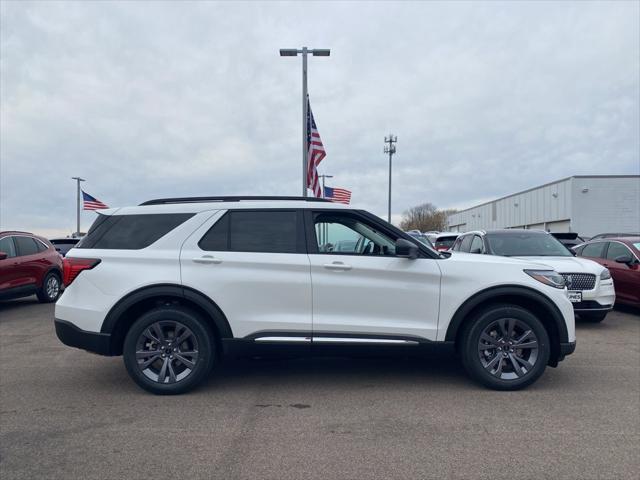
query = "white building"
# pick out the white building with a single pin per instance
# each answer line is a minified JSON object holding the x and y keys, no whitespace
{"x":587,"y":204}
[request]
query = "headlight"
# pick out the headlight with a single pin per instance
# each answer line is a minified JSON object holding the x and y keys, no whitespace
{"x":548,"y":277}
{"x":605,"y":275}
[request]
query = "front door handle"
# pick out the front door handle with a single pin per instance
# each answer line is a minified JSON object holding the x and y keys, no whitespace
{"x":337,"y":266}
{"x":207,"y":259}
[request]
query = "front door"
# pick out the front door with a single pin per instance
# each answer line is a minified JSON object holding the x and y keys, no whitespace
{"x":361,"y":289}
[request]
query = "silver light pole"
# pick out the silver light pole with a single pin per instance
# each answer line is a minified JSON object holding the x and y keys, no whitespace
{"x":325,"y":230}
{"x":390,"y":149}
{"x":293,"y":52}
{"x":78,"y":180}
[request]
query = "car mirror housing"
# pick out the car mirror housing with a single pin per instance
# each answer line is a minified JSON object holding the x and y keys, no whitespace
{"x":406,"y":249}
{"x":3,"y":255}
{"x":626,"y":259}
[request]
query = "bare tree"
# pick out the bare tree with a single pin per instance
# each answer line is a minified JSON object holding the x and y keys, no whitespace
{"x":425,"y":217}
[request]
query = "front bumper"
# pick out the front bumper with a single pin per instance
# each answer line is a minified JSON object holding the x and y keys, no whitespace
{"x":73,"y":336}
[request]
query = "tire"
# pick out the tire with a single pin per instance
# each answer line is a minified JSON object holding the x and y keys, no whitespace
{"x":51,"y":288}
{"x":595,"y":317}
{"x":487,"y":355}
{"x":169,"y":368}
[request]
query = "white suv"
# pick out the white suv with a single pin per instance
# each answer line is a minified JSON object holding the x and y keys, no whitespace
{"x":589,"y":284}
{"x":175,"y":284}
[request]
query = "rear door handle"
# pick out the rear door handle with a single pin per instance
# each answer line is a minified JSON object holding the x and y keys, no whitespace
{"x":337,"y":266}
{"x":207,"y":259}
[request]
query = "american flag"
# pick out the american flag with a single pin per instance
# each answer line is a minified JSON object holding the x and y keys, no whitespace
{"x":315,"y":153}
{"x":339,"y":195}
{"x":91,"y":203}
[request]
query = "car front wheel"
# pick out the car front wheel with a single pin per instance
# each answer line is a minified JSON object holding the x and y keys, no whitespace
{"x":505,"y":347}
{"x":169,"y":350}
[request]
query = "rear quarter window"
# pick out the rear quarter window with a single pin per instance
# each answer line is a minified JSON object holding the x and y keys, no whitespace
{"x":131,"y":232}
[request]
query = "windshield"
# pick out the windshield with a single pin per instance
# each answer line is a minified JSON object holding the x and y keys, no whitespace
{"x":445,"y":241}
{"x":526,"y":245}
{"x":422,"y":238}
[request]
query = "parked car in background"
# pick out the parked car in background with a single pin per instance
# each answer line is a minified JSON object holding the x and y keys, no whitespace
{"x":421,"y":238}
{"x":589,"y":284}
{"x":29,"y":264}
{"x":183,"y":282}
{"x":614,"y":235}
{"x":63,"y":245}
{"x":622,"y":257}
{"x":444,"y":241}
{"x":569,"y":239}
{"x":431,"y":235}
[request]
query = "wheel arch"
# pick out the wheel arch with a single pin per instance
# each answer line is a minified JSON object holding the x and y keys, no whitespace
{"x":129,"y":308}
{"x":528,"y":298}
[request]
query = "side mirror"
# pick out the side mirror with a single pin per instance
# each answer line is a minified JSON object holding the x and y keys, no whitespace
{"x":626,"y":259}
{"x":3,"y":255}
{"x":406,"y":249}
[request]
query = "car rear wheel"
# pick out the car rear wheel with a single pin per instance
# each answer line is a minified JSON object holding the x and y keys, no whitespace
{"x":50,"y":290}
{"x":505,"y":347}
{"x":169,"y":350}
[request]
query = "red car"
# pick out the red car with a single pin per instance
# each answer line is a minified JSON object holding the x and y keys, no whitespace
{"x":621,"y":255}
{"x":29,"y":264}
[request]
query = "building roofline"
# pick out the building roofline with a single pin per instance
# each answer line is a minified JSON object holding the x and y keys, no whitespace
{"x":541,"y":186}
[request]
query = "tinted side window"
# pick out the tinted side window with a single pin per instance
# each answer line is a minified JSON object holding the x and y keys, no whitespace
{"x":456,"y":245}
{"x":217,"y":238}
{"x":26,"y":246}
{"x":266,"y":231}
{"x":617,"y":250}
{"x":593,"y":250}
{"x":7,"y":246}
{"x":131,"y":232}
{"x":41,"y":246}
{"x":465,"y":246}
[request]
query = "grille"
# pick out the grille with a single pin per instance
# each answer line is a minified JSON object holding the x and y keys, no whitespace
{"x":579,"y":281}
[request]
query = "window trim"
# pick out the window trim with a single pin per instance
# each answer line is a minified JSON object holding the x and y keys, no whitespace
{"x":366,"y":217}
{"x":300,"y":230}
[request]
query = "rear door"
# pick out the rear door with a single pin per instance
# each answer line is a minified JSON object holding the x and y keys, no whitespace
{"x":253,"y":264}
{"x":8,"y":266}
{"x":28,"y":261}
{"x":361,"y":289}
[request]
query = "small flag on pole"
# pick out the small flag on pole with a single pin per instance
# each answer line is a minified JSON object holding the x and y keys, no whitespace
{"x":338,"y":195}
{"x":315,"y":153}
{"x":91,"y":203}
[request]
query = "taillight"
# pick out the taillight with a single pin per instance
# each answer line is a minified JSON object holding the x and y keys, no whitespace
{"x":71,"y":267}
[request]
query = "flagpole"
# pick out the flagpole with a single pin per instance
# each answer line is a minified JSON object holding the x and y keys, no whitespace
{"x":293,"y":52}
{"x":78,"y":180}
{"x":305,"y":114}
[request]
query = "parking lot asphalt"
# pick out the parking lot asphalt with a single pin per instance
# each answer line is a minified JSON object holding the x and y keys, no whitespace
{"x":68,"y":414}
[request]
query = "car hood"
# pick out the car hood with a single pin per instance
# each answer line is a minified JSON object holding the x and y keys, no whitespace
{"x":523,"y":262}
{"x":567,"y":264}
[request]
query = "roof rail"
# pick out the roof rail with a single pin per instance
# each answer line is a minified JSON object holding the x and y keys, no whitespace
{"x":164,"y":201}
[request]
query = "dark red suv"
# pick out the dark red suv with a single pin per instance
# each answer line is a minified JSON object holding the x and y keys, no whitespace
{"x":621,"y":256}
{"x":29,"y":264}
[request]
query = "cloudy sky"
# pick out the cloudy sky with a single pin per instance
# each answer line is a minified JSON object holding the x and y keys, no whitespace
{"x":161,"y":99}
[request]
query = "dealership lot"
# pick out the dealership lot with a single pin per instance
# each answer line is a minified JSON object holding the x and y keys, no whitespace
{"x":69,"y":414}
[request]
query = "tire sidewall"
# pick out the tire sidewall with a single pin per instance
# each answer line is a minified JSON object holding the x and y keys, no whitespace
{"x":43,"y":296}
{"x":471,"y":336}
{"x":206,"y":349}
